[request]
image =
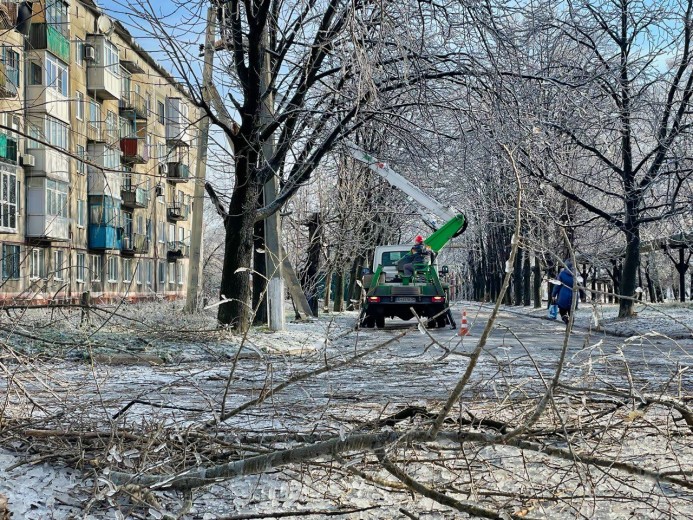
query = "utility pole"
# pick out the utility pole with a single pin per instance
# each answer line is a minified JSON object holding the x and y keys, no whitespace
{"x":273,"y":259}
{"x":194,"y":269}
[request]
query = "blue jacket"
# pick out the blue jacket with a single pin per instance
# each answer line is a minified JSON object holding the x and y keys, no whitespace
{"x":564,"y":292}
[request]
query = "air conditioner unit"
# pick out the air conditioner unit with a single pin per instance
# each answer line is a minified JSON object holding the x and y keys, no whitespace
{"x":89,"y":53}
{"x":28,"y":160}
{"x":163,"y":169}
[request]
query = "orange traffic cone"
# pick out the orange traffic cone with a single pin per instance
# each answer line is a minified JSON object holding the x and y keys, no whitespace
{"x":464,"y":326}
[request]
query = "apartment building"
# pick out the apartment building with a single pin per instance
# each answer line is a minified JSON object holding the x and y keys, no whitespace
{"x":103,"y":173}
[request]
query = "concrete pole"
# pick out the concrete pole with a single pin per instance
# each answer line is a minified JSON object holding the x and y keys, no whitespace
{"x":273,"y":259}
{"x":195,"y":263}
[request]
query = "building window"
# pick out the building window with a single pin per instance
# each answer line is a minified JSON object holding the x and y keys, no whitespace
{"x":81,"y":212}
{"x":96,"y":268}
{"x":10,"y":262}
{"x":56,"y":198}
{"x":111,"y":61}
{"x":162,"y":274}
{"x":56,"y":74}
{"x":150,"y":271}
{"x":38,"y":264}
{"x":81,"y":267}
{"x":35,"y":74}
{"x":79,"y":51}
{"x":112,"y":269}
{"x":11,"y":60}
{"x":58,"y":258}
{"x":161,"y":112}
{"x":94,"y":112}
{"x":8,"y":201}
{"x":49,"y":130}
{"x":181,"y":235}
{"x":172,"y":273}
{"x":138,"y":271}
{"x":79,"y":112}
{"x":171,"y":232}
{"x":81,"y":165}
{"x":127,"y":270}
{"x":179,"y":272}
{"x":162,"y":232}
{"x":56,"y":16}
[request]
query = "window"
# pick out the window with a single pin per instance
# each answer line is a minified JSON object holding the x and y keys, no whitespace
{"x":81,"y":267}
{"x":81,"y":213}
{"x":112,"y":128}
{"x":8,"y":201}
{"x":112,"y":269}
{"x":127,"y":270}
{"x":81,"y":166}
{"x":56,"y":16}
{"x":111,"y":62}
{"x":172,"y":272}
{"x":35,"y":74}
{"x":58,"y":259}
{"x":11,"y":60}
{"x":140,"y":225}
{"x":162,"y":232}
{"x":96,"y":268}
{"x":162,"y":274}
{"x":94,"y":111}
{"x":161,"y":112}
{"x":10,"y":262}
{"x":149,"y":230}
{"x":150,"y":271}
{"x":171,"y":232}
{"x":38,"y":264}
{"x":56,"y":198}
{"x":181,"y":235}
{"x":179,"y":272}
{"x":138,"y":271}
{"x":50,"y":130}
{"x":56,"y":74}
{"x":80,"y":106}
{"x":79,"y":51}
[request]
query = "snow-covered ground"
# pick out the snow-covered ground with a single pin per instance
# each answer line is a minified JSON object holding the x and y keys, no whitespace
{"x":170,"y":358}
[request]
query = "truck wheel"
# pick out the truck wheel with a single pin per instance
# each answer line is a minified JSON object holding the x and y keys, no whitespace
{"x":380,"y":322}
{"x":441,"y":322}
{"x":368,"y":322}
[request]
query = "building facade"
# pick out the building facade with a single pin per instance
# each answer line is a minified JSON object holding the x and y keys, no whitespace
{"x":98,"y":161}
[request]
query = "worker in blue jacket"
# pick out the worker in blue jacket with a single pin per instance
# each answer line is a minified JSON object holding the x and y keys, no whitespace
{"x":562,"y":294}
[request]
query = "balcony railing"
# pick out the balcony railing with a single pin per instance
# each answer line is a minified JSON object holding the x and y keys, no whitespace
{"x":177,"y":212}
{"x":133,"y":197}
{"x":8,"y":149}
{"x":9,"y":79}
{"x":134,"y":150}
{"x":45,"y":36}
{"x":176,"y":250}
{"x":178,"y":172}
{"x":100,"y":132}
{"x":133,"y":104}
{"x":135,"y":243}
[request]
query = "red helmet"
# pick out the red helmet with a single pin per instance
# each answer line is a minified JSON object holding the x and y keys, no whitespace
{"x":418,"y":239}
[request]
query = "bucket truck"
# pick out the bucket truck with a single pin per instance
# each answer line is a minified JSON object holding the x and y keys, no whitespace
{"x":389,"y":293}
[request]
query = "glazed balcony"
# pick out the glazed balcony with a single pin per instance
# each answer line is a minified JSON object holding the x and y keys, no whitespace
{"x":133,"y":105}
{"x":9,"y":79}
{"x":134,"y":150}
{"x":178,"y":172}
{"x":105,"y":231}
{"x":45,"y":36}
{"x":100,"y":132}
{"x":8,"y":149}
{"x":133,"y":197}
{"x":103,"y":78}
{"x":134,"y":244}
{"x":177,"y":212}
{"x":176,"y":250}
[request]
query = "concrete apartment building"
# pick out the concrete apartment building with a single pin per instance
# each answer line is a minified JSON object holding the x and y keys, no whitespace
{"x":117,"y":223}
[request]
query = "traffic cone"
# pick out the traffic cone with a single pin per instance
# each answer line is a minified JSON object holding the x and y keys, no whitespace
{"x":464,"y":326}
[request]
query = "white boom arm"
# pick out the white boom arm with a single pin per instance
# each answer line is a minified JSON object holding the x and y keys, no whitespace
{"x":427,"y":204}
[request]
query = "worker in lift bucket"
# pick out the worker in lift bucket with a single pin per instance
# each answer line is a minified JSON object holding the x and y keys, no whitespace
{"x":420,"y":253}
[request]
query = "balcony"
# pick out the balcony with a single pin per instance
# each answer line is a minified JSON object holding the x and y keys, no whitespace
{"x":133,"y":105}
{"x":134,"y":244}
{"x":45,"y":36}
{"x":104,"y":223}
{"x":103,"y":76}
{"x":177,"y":124}
{"x":48,"y":162}
{"x":178,"y":172}
{"x":8,"y":149}
{"x":100,"y":132}
{"x":134,"y":198}
{"x":134,"y":150}
{"x":177,"y":212}
{"x":176,"y":250}
{"x":9,"y":79}
{"x":47,"y":227}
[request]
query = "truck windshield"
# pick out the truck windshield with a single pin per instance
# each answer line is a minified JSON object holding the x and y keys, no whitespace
{"x":390,"y":258}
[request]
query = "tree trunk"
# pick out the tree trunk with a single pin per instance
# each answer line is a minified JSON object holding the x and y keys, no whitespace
{"x":259,"y":275}
{"x":238,"y":254}
{"x":537,"y":282}
{"x":527,"y":280}
{"x":328,"y":291}
{"x":353,"y":290}
{"x":517,"y":278}
{"x":339,"y":291}
{"x":628,"y":276}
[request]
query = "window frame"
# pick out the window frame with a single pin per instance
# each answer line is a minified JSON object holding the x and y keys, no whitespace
{"x":11,"y":259}
{"x":80,"y":268}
